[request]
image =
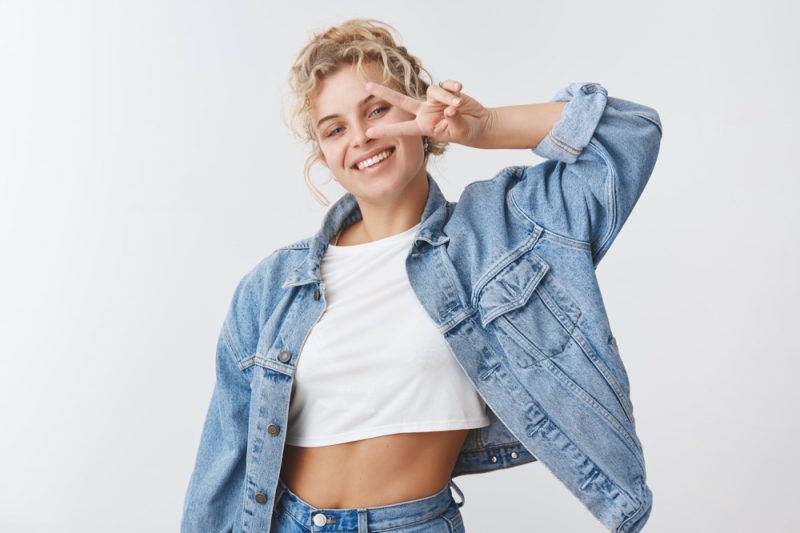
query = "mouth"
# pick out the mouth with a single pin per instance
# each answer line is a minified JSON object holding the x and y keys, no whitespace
{"x":376,"y":162}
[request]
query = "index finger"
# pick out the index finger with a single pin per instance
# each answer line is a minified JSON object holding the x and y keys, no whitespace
{"x":393,"y":97}
{"x":408,"y":127}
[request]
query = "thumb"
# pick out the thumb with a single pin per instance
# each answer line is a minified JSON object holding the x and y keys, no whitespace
{"x":456,"y":123}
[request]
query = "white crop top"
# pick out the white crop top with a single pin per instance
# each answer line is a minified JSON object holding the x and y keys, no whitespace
{"x":375,"y":363}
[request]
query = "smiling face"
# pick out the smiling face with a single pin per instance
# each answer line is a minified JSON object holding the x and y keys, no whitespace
{"x":342,"y":111}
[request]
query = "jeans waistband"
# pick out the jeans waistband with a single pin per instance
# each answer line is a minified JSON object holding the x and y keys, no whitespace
{"x":365,"y":518}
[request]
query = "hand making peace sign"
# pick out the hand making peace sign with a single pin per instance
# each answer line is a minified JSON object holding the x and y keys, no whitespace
{"x":446,"y":114}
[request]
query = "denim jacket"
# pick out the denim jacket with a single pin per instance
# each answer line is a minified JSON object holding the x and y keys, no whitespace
{"x":507,"y":273}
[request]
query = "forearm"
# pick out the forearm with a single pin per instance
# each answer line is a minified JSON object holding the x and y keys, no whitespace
{"x":520,"y":126}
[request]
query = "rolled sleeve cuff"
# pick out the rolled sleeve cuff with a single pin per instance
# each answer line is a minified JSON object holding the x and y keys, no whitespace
{"x":579,"y":118}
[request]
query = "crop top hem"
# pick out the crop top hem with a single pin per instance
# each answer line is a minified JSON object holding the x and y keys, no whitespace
{"x":436,"y":425}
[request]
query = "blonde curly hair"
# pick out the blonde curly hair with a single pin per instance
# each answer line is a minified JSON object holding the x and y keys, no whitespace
{"x":352,"y":42}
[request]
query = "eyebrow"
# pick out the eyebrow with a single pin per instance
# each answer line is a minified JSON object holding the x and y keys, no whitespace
{"x":329,"y":117}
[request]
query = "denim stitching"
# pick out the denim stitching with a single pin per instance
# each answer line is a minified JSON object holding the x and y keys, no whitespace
{"x":578,"y":243}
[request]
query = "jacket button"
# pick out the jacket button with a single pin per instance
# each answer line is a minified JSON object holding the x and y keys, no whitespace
{"x":514,"y":455}
{"x":284,"y":356}
{"x":260,"y":498}
{"x":273,"y":429}
{"x":494,"y":459}
{"x":316,"y":294}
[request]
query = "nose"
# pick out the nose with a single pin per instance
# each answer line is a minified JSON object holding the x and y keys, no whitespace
{"x":360,"y":137}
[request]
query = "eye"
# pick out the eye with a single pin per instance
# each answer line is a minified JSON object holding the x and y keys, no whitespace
{"x":379,"y":108}
{"x":332,"y":132}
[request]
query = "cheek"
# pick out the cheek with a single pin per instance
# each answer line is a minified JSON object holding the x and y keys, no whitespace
{"x":331,"y":154}
{"x":399,"y":115}
{"x":413,"y":145}
{"x":338,"y":154}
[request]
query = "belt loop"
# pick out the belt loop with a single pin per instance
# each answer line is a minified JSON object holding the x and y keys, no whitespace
{"x":363,"y":520}
{"x":278,"y":492}
{"x":461,"y":494}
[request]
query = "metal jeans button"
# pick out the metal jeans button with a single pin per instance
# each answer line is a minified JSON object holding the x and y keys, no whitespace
{"x":320,"y":519}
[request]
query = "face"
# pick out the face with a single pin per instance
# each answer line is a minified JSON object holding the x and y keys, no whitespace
{"x":342,"y":111}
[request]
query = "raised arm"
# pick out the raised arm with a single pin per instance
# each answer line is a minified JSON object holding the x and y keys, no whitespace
{"x":600,"y":155}
{"x":600,"y":150}
{"x":519,"y":126}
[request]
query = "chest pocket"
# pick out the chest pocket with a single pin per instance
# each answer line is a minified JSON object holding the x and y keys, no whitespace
{"x":531,"y":315}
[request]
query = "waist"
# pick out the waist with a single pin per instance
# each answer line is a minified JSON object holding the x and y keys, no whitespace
{"x":372,"y":472}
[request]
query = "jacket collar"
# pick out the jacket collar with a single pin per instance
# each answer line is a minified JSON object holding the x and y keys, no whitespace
{"x":346,"y":211}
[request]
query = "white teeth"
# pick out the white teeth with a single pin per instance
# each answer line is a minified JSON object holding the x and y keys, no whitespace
{"x":374,"y":159}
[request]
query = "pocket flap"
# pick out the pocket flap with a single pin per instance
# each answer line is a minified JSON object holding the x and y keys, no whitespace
{"x":511,"y":287}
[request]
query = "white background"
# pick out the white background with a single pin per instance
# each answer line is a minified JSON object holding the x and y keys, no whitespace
{"x":144,"y":168}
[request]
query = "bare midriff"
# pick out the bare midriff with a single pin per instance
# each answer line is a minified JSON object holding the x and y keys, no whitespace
{"x":372,"y":472}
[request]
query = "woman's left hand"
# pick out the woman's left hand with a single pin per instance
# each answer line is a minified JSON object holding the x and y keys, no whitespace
{"x":446,"y":114}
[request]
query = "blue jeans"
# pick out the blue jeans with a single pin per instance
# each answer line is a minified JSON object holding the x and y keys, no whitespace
{"x":439,"y":513}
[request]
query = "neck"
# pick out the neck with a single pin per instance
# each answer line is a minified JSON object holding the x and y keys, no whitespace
{"x":384,"y":220}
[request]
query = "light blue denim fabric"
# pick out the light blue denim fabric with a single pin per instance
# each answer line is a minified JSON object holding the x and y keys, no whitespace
{"x":438,"y":513}
{"x":507,"y":273}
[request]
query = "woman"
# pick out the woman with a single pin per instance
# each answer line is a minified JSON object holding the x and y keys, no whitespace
{"x":437,"y":338}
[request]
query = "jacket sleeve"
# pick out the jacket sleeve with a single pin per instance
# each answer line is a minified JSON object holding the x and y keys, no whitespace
{"x":215,"y":493}
{"x":600,"y":155}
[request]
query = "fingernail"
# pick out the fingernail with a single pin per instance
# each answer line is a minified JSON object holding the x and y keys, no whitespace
{"x":456,"y":101}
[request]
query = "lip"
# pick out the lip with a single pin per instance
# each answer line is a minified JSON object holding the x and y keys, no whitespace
{"x":371,"y":154}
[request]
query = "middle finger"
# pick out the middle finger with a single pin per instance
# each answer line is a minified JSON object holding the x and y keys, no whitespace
{"x":393,"y":97}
